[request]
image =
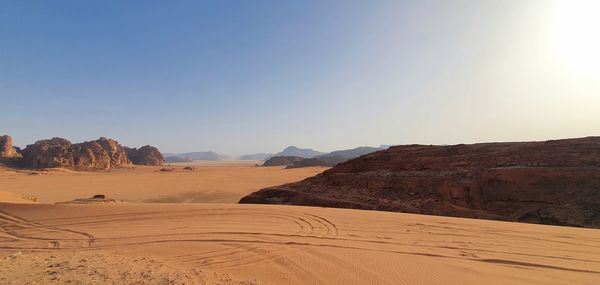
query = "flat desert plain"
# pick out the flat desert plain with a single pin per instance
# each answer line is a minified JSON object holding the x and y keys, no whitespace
{"x":208,"y":182}
{"x":227,"y":243}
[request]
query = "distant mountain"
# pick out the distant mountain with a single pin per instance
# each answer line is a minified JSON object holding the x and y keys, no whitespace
{"x":199,"y":155}
{"x":256,"y":156}
{"x":204,"y":155}
{"x":333,"y":158}
{"x":352,"y":153}
{"x":176,"y":159}
{"x":300,"y":152}
{"x":288,"y":151}
{"x":328,"y":159}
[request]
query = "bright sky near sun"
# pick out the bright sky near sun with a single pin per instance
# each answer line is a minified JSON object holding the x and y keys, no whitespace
{"x":255,"y":76}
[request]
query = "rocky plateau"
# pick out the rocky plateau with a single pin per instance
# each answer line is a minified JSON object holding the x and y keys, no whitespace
{"x":552,"y":182}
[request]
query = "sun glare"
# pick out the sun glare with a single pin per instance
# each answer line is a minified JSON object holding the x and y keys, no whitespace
{"x":578,"y":34}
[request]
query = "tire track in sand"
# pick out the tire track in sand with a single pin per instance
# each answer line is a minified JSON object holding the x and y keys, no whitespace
{"x":29,"y":235}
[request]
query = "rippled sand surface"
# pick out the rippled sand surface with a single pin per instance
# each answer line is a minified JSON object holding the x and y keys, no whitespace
{"x":265,"y":244}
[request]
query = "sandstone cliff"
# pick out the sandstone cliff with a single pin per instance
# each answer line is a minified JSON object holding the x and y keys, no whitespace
{"x":57,"y":152}
{"x":6,"y":147}
{"x":146,"y":155}
{"x":553,"y":182}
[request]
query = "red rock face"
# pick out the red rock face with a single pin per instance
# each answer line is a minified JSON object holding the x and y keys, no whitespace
{"x":57,"y":152}
{"x":146,"y":155}
{"x":553,"y":182}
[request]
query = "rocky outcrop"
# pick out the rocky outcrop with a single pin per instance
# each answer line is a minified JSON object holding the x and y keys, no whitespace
{"x":282,"y":161}
{"x":7,"y":149}
{"x":330,"y":159}
{"x":58,"y":152}
{"x":318,"y":161}
{"x":351,"y":153}
{"x":146,"y":155}
{"x":553,"y":182}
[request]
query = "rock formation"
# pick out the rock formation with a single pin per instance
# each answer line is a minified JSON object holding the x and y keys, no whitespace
{"x":6,"y":147}
{"x":58,"y":152}
{"x":553,"y":182}
{"x":351,"y":153}
{"x":328,"y":159}
{"x":146,"y":155}
{"x":282,"y":161}
{"x":318,"y":161}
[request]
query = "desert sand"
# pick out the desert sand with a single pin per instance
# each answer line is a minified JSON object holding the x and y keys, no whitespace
{"x":128,"y":243}
{"x":10,"y":197}
{"x":132,"y":242}
{"x":209,"y":182}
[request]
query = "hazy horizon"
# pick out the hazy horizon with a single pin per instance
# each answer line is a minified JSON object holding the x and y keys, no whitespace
{"x":257,"y":76}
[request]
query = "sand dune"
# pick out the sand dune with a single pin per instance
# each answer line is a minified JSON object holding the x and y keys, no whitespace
{"x":263,"y":244}
{"x":209,"y":182}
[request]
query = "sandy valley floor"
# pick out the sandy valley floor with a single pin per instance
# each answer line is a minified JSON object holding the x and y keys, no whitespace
{"x":209,"y":182}
{"x":227,"y":243}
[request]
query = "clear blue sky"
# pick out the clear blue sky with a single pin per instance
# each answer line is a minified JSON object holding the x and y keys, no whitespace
{"x":255,"y":76}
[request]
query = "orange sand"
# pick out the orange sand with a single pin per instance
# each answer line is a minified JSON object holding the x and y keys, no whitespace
{"x":210,"y":182}
{"x":191,"y":243}
{"x":266,"y":244}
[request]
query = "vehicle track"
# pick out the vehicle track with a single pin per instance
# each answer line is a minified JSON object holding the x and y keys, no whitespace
{"x":32,"y":235}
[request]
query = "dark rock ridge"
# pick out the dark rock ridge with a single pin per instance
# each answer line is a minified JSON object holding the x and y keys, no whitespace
{"x":329,"y":159}
{"x":57,"y":152}
{"x":351,"y":153}
{"x":300,"y":152}
{"x":176,"y":159}
{"x":296,"y":161}
{"x":146,"y":155}
{"x":335,"y":157}
{"x":318,"y":161}
{"x":282,"y":161}
{"x":553,"y":182}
